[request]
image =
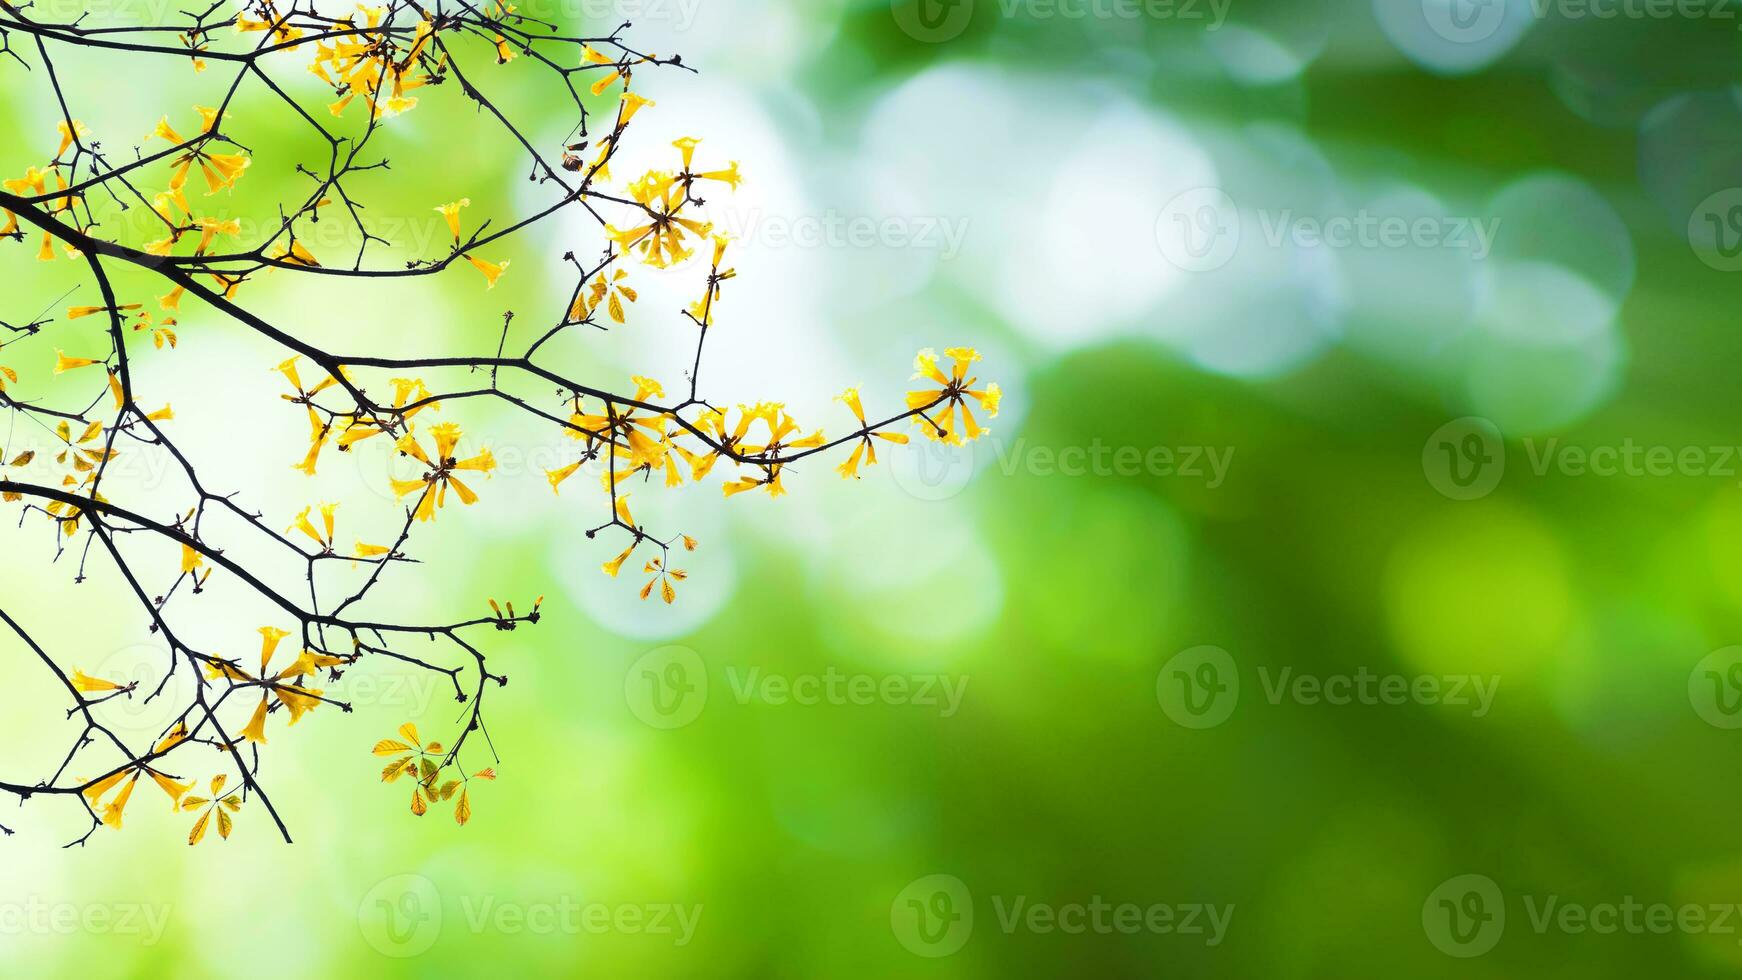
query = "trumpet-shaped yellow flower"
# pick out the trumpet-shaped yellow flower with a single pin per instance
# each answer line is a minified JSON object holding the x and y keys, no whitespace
{"x":451,"y":211}
{"x":660,"y":238}
{"x":935,"y":408}
{"x":87,"y":684}
{"x":591,"y":56}
{"x":441,"y":472}
{"x":69,"y":135}
{"x":865,"y":449}
{"x":63,"y":363}
{"x":632,"y":103}
{"x":491,"y":270}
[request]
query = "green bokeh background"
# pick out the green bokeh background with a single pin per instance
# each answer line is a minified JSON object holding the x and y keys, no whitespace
{"x":1056,"y":603}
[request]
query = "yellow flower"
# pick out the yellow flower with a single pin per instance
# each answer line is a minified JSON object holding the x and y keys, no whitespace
{"x":318,"y":429}
{"x":593,"y":57}
{"x":442,"y":467}
{"x":75,"y":312}
{"x":219,"y":169}
{"x":702,"y":310}
{"x":306,"y":526}
{"x":67,"y":135}
{"x":632,"y":104}
{"x":296,"y":254}
{"x":211,"y":228}
{"x":491,"y":271}
{"x":285,"y":686}
{"x":728,"y":176}
{"x":934,"y":410}
{"x":864,"y":449}
{"x":451,"y":211}
{"x":91,"y":685}
{"x":660,"y":239}
{"x":687,"y":147}
{"x":63,"y":363}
